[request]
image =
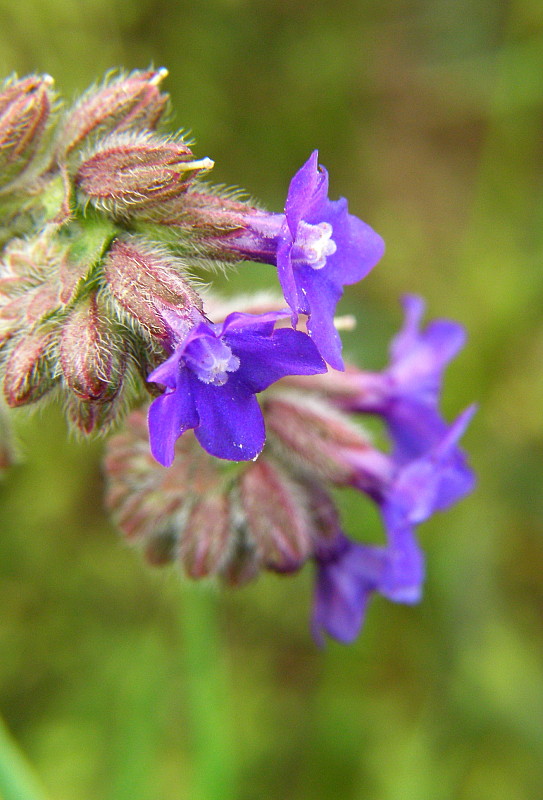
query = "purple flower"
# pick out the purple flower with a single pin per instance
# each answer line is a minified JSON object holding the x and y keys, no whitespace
{"x":434,"y":481}
{"x":318,"y":248}
{"x":211,"y":379}
{"x":321,"y":249}
{"x":407,"y":393}
{"x":348,"y":573}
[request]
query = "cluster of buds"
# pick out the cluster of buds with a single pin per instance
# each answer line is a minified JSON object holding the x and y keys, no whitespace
{"x":82,"y":291}
{"x":105,"y":228}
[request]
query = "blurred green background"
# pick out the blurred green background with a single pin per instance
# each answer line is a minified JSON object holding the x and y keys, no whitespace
{"x":121,"y":683}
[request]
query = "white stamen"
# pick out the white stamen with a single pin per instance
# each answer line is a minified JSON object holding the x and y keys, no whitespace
{"x":313,"y":244}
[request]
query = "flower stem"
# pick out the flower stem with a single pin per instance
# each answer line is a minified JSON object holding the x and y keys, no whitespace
{"x":207,"y":687}
{"x":17,"y":779}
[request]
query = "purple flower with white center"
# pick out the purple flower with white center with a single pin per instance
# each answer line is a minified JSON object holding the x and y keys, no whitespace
{"x":321,"y":249}
{"x":211,"y":379}
{"x":318,"y":248}
{"x":348,"y":573}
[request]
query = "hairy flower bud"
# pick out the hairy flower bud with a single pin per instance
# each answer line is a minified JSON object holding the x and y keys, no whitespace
{"x":276,"y":516}
{"x":29,"y":371}
{"x":171,"y":513}
{"x":28,"y":289}
{"x":129,"y":102}
{"x":145,"y":281}
{"x":130,"y":173}
{"x":203,"y":555}
{"x":315,"y":435}
{"x":25,"y":105}
{"x":213,"y":517}
{"x":92,"y":355}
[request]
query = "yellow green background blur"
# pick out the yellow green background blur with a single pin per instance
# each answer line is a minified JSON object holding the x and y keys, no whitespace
{"x":122,"y":683}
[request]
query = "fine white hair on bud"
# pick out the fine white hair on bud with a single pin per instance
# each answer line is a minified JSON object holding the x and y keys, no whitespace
{"x":123,"y":102}
{"x":127,"y":173}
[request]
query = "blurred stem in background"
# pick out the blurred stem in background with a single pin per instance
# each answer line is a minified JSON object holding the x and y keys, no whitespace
{"x":207,"y":691}
{"x":17,"y":779}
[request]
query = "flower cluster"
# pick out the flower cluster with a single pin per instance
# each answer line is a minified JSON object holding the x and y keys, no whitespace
{"x":230,"y":519}
{"x":105,"y":229}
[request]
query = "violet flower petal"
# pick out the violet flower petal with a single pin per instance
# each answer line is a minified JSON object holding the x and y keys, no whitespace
{"x":404,"y":571}
{"x":167,"y":372}
{"x":231,"y":422}
{"x":169,"y":416}
{"x":322,"y":297}
{"x":287,"y":279}
{"x":437,"y":479}
{"x":346,"y":579}
{"x":264,"y":360}
{"x":418,"y":358}
{"x":255,"y":324}
{"x":307,"y":191}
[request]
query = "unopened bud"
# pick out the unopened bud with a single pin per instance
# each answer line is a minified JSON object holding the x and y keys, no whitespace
{"x":276,"y":516}
{"x":154,"y":506}
{"x":92,"y":355}
{"x":161,"y":548}
{"x":213,"y":517}
{"x":317,"y":436}
{"x":99,"y":416}
{"x":29,"y":279}
{"x":25,"y":105}
{"x":29,"y":371}
{"x":204,"y":546}
{"x":146,"y":280}
{"x":129,"y":102}
{"x":130,"y":173}
{"x":21,"y":313}
{"x":28,"y":289}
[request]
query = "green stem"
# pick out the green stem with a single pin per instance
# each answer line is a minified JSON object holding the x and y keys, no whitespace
{"x":208,"y":690}
{"x":17,"y":779}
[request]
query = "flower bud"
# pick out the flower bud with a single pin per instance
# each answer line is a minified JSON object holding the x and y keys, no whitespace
{"x":205,"y":544}
{"x":29,"y":371}
{"x":147,"y":280}
{"x":129,"y":102}
{"x":181,"y":513}
{"x":20,"y":314}
{"x":276,"y":516}
{"x":161,"y":548}
{"x":130,"y":173}
{"x":25,"y":105}
{"x":213,"y":517}
{"x":29,"y":288}
{"x":319,"y":438}
{"x":92,"y":353}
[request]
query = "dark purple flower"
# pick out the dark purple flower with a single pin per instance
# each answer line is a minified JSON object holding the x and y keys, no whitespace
{"x":211,"y":380}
